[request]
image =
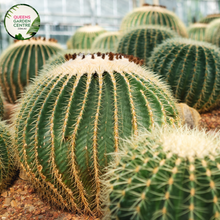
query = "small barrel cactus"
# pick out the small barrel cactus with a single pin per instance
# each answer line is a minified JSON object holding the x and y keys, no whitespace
{"x":84,"y":37}
{"x":209,"y":18}
{"x":166,"y":174}
{"x":7,"y":157}
{"x":106,"y":42}
{"x":212,"y":34}
{"x":192,"y":69}
{"x":21,"y":62}
{"x":197,"y":31}
{"x":72,"y":116}
{"x":141,"y":41}
{"x":153,"y":15}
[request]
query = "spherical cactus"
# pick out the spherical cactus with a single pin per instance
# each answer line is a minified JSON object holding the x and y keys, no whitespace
{"x":21,"y":62}
{"x":192,"y":69}
{"x":197,"y":31}
{"x":107,"y":42}
{"x":72,"y":116}
{"x":7,"y":157}
{"x":155,"y":15}
{"x":84,"y":37}
{"x":141,"y":41}
{"x":166,"y":174}
{"x":2,"y":101}
{"x":212,"y":34}
{"x":209,"y":18}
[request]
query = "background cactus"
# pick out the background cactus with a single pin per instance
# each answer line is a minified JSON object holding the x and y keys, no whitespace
{"x":197,"y":31}
{"x":153,"y":15}
{"x":192,"y":69}
{"x":141,"y":41}
{"x":212,"y":34}
{"x":74,"y":115}
{"x":7,"y":157}
{"x":21,"y":62}
{"x":107,"y":42}
{"x":166,"y":174}
{"x":209,"y":18}
{"x":84,"y":37}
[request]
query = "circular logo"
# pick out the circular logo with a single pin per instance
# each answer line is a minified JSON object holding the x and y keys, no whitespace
{"x":22,"y":21}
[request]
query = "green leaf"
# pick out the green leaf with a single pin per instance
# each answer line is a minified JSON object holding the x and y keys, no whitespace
{"x":19,"y":36}
{"x":34,"y":27}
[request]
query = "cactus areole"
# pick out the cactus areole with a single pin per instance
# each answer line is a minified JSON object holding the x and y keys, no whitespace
{"x":75,"y":114}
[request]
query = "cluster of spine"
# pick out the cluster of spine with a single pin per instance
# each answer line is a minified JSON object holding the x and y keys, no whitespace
{"x":197,"y":31}
{"x":209,"y":18}
{"x":164,"y":175}
{"x":212,"y":34}
{"x":141,"y":41}
{"x":7,"y":157}
{"x":2,"y":108}
{"x":192,"y":69}
{"x":107,"y":42}
{"x":153,"y":15}
{"x":21,"y":62}
{"x":84,"y":37}
{"x":74,"y":115}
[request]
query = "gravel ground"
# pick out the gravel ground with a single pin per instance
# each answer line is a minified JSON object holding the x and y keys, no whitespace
{"x":20,"y":202}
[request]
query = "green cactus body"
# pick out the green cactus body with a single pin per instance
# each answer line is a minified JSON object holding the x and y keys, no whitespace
{"x":212,"y":34}
{"x":2,"y":110}
{"x":21,"y":62}
{"x":166,"y":174}
{"x":84,"y":37}
{"x":141,"y":41}
{"x":72,"y":116}
{"x":197,"y":31}
{"x":153,"y":15}
{"x":107,"y":42}
{"x":7,"y":157}
{"x":209,"y":18}
{"x":192,"y":69}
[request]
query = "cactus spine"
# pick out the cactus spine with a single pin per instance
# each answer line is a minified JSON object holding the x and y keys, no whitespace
{"x":192,"y":69}
{"x":7,"y":157}
{"x":212,"y":34}
{"x":75,"y":114}
{"x":166,"y":174}
{"x":141,"y":41}
{"x":21,"y":62}
{"x":84,"y":37}
{"x":209,"y":18}
{"x":107,"y":42}
{"x":197,"y":31}
{"x":153,"y":15}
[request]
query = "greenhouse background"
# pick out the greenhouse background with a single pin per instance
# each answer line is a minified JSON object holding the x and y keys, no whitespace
{"x":60,"y":18}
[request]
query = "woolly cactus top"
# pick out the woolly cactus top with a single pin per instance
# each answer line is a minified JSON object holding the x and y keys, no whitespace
{"x":90,"y":28}
{"x":209,"y":18}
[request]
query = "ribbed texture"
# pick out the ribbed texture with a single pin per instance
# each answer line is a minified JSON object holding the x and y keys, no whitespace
{"x":73,"y":116}
{"x":84,"y":37}
{"x":21,"y":62}
{"x":7,"y":157}
{"x":2,"y":99}
{"x":154,"y":15}
{"x":107,"y":42}
{"x":209,"y":18}
{"x":149,"y":181}
{"x":212,"y":34}
{"x":192,"y":69}
{"x":197,"y":31}
{"x":141,"y":41}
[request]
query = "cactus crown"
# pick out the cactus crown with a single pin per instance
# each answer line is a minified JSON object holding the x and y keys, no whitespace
{"x":209,"y":18}
{"x":166,"y":174}
{"x":197,"y":31}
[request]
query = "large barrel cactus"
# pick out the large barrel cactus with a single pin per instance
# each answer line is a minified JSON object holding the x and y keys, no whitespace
{"x":209,"y":18}
{"x":141,"y":41}
{"x":21,"y":62}
{"x":84,"y":37}
{"x":192,"y":69}
{"x":197,"y":31}
{"x":155,"y":15}
{"x":2,"y":108}
{"x":212,"y":34}
{"x":107,"y":42}
{"x":72,"y":116}
{"x":7,"y":157}
{"x":166,"y":174}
